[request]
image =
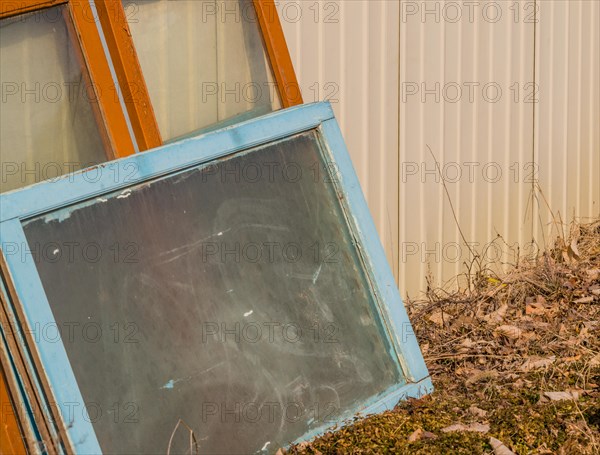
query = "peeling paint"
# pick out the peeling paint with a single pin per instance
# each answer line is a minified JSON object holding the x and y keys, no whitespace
{"x":170,"y":385}
{"x":59,"y":215}
{"x":124,"y":194}
{"x":66,"y":212}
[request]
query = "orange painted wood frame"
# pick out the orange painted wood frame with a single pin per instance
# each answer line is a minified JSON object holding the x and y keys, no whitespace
{"x":129,"y":73}
{"x":11,"y":440}
{"x":118,"y":143}
{"x":131,"y":79}
{"x":43,"y":439}
{"x":10,"y":8}
{"x":278,"y":52}
{"x":107,"y":107}
{"x":101,"y":78}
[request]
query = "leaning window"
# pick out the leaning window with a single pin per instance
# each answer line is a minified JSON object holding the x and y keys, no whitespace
{"x":204,"y":62}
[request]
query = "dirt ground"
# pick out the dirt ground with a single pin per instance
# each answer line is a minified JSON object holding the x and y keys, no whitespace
{"x":515,"y":362}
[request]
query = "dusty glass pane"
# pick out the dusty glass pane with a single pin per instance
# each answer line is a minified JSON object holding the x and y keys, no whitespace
{"x":204,"y":62}
{"x":229,"y":296}
{"x":47,"y":126}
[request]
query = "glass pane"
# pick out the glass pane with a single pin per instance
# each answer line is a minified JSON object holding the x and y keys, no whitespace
{"x":230,"y":296}
{"x":47,"y":125}
{"x":203,"y":61}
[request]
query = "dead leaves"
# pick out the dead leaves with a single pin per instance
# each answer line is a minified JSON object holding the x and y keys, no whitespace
{"x":477,"y":412}
{"x":439,"y":317}
{"x":589,"y":299}
{"x":538,"y":306}
{"x":480,"y":376}
{"x":565,"y":395}
{"x":496,"y":316}
{"x":477,"y":427}
{"x":593,"y":274}
{"x":509,"y":331}
{"x":499,"y":448}
{"x":573,"y":249}
{"x":419,"y":434}
{"x":524,"y":347}
{"x":534,"y":363}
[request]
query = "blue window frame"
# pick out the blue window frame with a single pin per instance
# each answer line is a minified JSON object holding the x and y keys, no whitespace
{"x":57,"y":200}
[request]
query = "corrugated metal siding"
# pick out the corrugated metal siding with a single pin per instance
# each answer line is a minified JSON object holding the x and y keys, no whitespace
{"x":347,"y":52}
{"x":568,"y":114}
{"x":482,"y":137}
{"x":547,"y":132}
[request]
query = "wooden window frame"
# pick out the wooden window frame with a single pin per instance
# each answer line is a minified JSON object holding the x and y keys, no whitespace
{"x":95,"y":68}
{"x":30,"y":298}
{"x":11,"y":438}
{"x":120,"y":44}
{"x":129,"y":73}
{"x":279,"y":54}
{"x":108,"y":110}
{"x":18,"y":428}
{"x":23,"y":433}
{"x":117,"y":142}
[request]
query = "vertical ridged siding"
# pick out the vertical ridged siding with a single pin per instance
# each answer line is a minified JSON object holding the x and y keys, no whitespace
{"x":347,"y":52}
{"x":567,"y":145}
{"x":483,"y":145}
{"x":553,"y":141}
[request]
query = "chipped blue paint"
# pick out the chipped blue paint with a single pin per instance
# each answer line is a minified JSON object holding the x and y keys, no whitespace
{"x":36,"y":308}
{"x":381,"y":277}
{"x":112,"y":176}
{"x":169,"y":385}
{"x":59,"y":195}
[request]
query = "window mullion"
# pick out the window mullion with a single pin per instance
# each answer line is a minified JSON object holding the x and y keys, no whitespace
{"x":129,"y":73}
{"x":107,"y":102}
{"x":279,"y":56}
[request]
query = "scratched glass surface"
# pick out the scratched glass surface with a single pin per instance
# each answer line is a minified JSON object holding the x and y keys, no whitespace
{"x":229,"y":296}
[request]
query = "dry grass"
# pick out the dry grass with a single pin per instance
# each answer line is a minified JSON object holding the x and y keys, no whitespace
{"x":496,"y":352}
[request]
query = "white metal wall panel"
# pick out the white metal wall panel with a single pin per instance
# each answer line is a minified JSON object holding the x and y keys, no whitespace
{"x":526,"y":117}
{"x":568,"y":114}
{"x":464,"y":71}
{"x":347,"y":52}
